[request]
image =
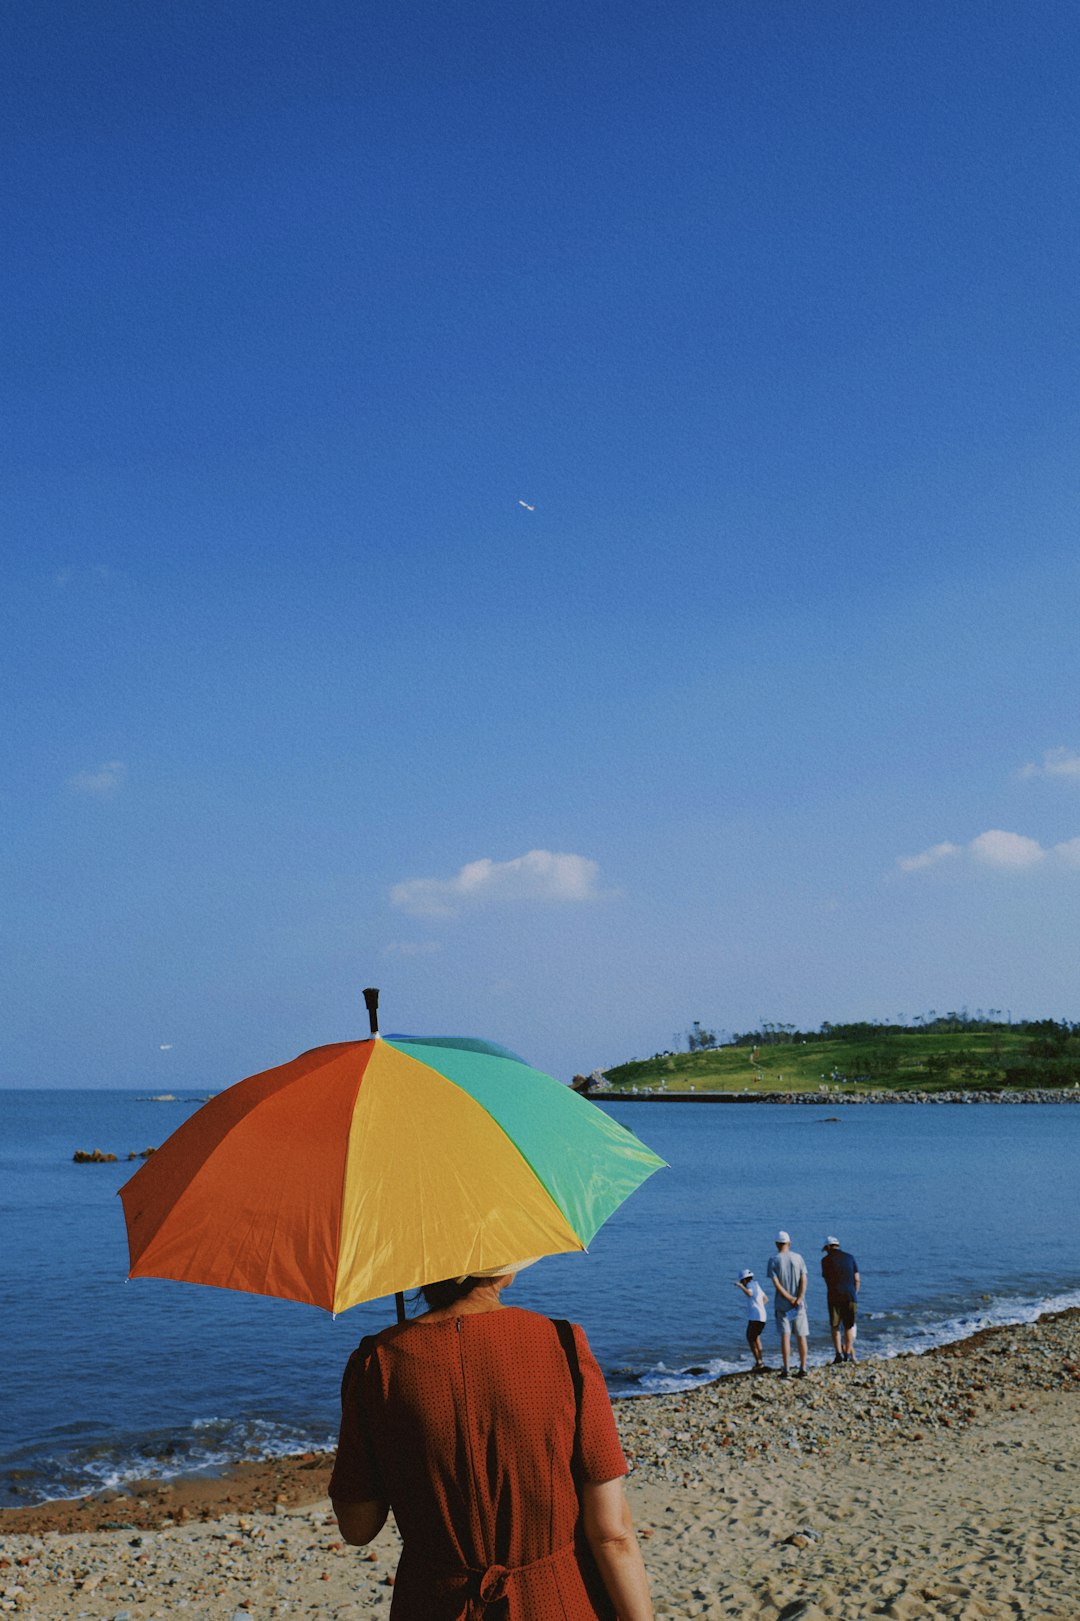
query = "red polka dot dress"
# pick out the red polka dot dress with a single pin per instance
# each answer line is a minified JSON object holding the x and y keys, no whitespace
{"x":466,"y":1426}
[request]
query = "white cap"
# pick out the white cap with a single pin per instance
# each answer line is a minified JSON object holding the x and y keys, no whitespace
{"x":782,"y":1237}
{"x":744,"y":1275}
{"x":503,"y":1271}
{"x":831,"y":1244}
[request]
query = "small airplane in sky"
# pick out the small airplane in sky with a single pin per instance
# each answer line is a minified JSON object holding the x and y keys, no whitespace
{"x":526,"y":505}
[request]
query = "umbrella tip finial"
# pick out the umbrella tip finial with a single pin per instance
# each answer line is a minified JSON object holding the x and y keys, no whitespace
{"x":371,"y":1002}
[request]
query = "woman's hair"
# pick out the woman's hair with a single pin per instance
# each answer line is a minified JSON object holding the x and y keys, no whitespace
{"x":445,"y":1293}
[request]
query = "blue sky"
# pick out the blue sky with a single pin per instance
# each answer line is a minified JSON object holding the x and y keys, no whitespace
{"x":566,"y":513}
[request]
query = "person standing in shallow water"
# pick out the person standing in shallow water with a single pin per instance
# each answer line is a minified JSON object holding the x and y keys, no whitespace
{"x":755,"y":1321}
{"x":841,"y":1273}
{"x":787,"y":1269}
{"x":488,"y":1431}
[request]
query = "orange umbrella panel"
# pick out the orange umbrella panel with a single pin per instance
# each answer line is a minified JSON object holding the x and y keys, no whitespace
{"x":242,"y":1195}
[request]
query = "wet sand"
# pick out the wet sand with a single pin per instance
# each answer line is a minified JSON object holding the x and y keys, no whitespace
{"x":923,"y":1487}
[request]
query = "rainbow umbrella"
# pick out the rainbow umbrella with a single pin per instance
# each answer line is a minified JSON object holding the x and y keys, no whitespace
{"x":369,"y":1167}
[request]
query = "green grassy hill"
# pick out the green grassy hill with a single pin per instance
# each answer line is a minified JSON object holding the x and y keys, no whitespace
{"x":897,"y":1060}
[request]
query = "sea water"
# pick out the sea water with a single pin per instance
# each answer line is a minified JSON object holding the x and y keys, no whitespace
{"x":959,"y":1217}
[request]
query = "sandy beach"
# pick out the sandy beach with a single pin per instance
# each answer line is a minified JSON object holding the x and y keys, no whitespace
{"x":941,"y":1485}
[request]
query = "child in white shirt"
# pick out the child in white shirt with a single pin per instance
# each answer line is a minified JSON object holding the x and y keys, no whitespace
{"x":756,"y":1315}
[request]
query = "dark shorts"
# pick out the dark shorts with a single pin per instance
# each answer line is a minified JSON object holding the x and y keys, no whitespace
{"x":841,"y":1314}
{"x":753,"y":1331}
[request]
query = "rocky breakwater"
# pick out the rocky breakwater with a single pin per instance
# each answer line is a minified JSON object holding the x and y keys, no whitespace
{"x":1044,"y":1094}
{"x":94,"y":1156}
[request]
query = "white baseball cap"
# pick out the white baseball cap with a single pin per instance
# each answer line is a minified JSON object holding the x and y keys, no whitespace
{"x":782,"y":1237}
{"x":831,"y":1244}
{"x":744,"y":1275}
{"x":503,"y":1271}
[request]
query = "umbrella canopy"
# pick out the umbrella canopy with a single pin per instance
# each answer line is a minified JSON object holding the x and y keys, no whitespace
{"x":369,"y":1167}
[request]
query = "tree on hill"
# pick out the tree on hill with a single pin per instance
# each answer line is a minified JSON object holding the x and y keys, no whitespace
{"x":698,"y":1039}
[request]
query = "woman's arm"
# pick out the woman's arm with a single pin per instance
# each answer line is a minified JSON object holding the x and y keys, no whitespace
{"x":360,"y":1522}
{"x":610,"y":1533}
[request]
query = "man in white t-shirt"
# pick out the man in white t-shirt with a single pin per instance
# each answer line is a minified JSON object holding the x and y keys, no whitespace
{"x":755,"y":1315}
{"x":787,"y":1269}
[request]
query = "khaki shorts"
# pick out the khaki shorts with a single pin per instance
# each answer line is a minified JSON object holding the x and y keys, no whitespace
{"x":793,"y":1319}
{"x":842,"y":1316}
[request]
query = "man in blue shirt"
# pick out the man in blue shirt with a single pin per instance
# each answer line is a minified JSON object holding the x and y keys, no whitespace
{"x":841,"y":1273}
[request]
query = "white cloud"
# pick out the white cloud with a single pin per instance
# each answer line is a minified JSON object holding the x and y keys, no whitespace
{"x":411,"y":948}
{"x":1007,"y":850}
{"x":1055,"y":763}
{"x":928,"y":858}
{"x":541,"y":875}
{"x":102,"y":781}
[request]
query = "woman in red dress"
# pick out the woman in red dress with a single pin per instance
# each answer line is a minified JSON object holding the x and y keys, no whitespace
{"x":489,"y":1432}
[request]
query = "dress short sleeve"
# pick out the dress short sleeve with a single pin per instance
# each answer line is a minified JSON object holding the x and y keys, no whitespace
{"x":356,"y":1477}
{"x":601,"y":1455}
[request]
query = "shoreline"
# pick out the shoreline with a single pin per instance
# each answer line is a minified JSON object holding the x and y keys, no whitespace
{"x":938,"y":1485}
{"x":277,"y":1485}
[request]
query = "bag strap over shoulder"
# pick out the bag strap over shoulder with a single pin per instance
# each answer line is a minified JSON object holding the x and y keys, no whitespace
{"x":565,"y":1331}
{"x":356,"y":1363}
{"x":598,"y":1593}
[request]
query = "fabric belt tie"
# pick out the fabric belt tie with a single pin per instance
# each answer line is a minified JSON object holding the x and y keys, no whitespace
{"x":488,"y":1586}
